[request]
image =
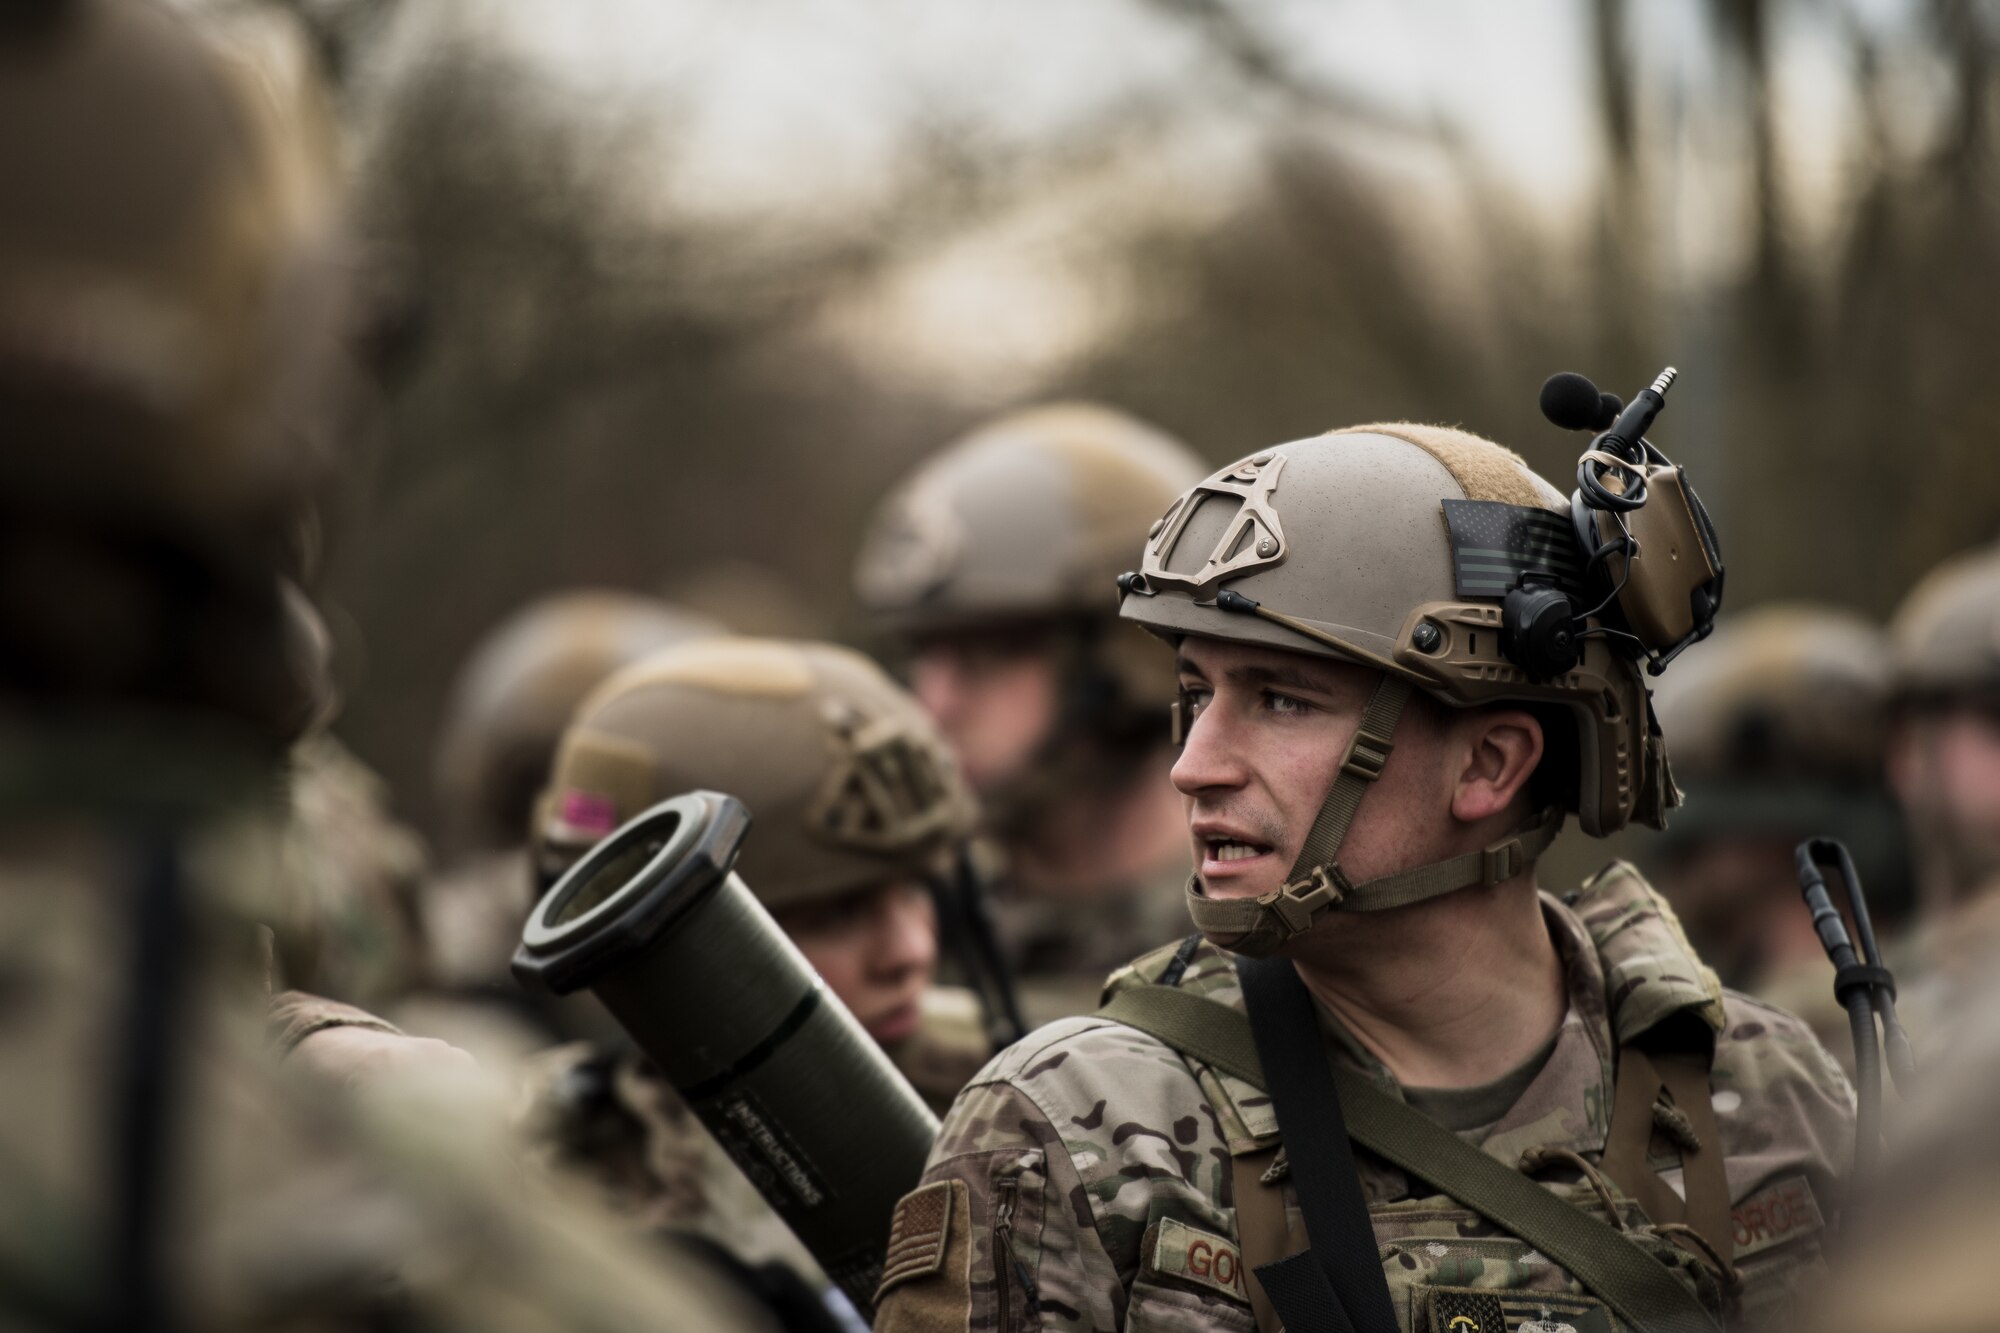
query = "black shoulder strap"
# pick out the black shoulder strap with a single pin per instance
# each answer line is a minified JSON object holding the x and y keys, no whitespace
{"x":1341,"y":1270}
{"x":1636,"y":1286}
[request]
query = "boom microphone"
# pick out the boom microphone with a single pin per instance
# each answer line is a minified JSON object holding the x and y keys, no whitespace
{"x":1572,"y":402}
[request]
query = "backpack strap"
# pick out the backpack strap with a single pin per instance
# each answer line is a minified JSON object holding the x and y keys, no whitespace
{"x":1637,"y":1287}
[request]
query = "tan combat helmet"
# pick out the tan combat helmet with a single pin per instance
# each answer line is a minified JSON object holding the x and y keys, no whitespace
{"x":170,"y":279}
{"x":847,"y":783}
{"x":1780,"y":727}
{"x":1787,"y":692}
{"x":517,"y":691}
{"x":172,"y":330}
{"x":1945,"y":638}
{"x":1026,"y":521}
{"x":1391,"y":547}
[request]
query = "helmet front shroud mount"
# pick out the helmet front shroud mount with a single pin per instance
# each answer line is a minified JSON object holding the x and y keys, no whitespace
{"x":1392,"y":547}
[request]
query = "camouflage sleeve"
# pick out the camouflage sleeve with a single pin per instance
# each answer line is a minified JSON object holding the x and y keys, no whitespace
{"x":1000,"y":1234}
{"x":1786,"y":1114}
{"x":295,"y":1015}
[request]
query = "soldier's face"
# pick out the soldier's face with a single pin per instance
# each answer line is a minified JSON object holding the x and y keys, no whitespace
{"x":1945,"y":767}
{"x":876,"y":950}
{"x":1265,"y":734}
{"x":993,"y":696}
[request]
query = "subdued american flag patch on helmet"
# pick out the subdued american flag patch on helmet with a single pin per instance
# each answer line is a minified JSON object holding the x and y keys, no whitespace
{"x":1493,"y":545}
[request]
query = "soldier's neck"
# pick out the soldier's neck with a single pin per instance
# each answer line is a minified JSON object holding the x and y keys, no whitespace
{"x":1452,"y":993}
{"x":1123,"y":837}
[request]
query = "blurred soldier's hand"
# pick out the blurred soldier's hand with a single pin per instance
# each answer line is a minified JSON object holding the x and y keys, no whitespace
{"x":353,"y":1056}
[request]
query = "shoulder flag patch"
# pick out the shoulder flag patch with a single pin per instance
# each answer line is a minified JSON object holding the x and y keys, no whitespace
{"x":918,"y":1234}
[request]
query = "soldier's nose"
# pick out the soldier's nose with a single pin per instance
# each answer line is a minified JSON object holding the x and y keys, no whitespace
{"x":1209,"y":760}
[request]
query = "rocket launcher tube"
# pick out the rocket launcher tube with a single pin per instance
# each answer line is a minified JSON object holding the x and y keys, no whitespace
{"x":655,"y":923}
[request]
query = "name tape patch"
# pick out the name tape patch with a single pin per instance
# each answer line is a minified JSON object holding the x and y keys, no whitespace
{"x":1200,"y":1257}
{"x":1780,"y":1212}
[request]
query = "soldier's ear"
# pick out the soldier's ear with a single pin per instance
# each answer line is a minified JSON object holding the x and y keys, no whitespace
{"x":1498,"y":750}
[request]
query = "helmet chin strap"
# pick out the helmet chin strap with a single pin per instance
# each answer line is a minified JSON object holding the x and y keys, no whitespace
{"x":1257,"y":927}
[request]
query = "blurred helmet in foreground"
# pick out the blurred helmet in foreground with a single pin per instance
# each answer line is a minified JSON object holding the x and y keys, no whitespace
{"x":847,"y":783}
{"x":517,"y":690}
{"x":170,"y":299}
{"x":173,"y":367}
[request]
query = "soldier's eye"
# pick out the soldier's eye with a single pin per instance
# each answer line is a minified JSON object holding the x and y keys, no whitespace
{"x":1194,"y":698}
{"x":1284,"y":703}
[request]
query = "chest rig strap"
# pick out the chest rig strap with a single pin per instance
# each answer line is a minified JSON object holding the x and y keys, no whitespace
{"x":1637,"y":1287}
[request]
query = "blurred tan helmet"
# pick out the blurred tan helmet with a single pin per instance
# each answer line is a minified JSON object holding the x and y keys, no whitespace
{"x":519,"y":687}
{"x":1027,"y":520}
{"x":1028,"y":517}
{"x":1348,"y":546}
{"x":1787,"y":691}
{"x":1781,"y":729}
{"x":847,"y":783}
{"x":172,"y":318}
{"x":1945,"y":637}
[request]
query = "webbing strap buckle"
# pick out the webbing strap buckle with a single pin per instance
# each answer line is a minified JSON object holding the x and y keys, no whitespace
{"x":1502,"y":861}
{"x":1299,"y":902}
{"x":1366,"y":756}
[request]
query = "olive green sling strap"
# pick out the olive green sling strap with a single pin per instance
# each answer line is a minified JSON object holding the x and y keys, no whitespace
{"x":1637,"y":1287}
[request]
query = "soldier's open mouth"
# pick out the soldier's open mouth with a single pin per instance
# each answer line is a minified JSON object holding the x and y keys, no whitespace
{"x":1226,"y":850}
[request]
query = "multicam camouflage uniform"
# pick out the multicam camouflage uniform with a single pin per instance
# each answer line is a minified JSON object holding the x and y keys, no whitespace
{"x":288,"y":1210}
{"x":349,"y":927}
{"x":1090,"y":1179}
{"x":1061,"y":949}
{"x":1093,"y":1176}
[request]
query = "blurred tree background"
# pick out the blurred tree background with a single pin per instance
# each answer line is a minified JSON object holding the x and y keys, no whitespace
{"x":674,"y":292}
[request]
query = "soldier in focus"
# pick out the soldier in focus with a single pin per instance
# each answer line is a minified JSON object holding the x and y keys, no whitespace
{"x":517,"y":690}
{"x":1779,"y":726}
{"x":171,"y":370}
{"x":1352,"y":713}
{"x":989,"y":566}
{"x":858,"y":812}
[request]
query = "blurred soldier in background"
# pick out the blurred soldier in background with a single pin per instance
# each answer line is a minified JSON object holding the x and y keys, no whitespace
{"x":1944,"y":759}
{"x":857,"y":812}
{"x":993,"y":565}
{"x":1779,"y":727}
{"x":1921,"y":1261}
{"x":170,"y":378}
{"x":1944,"y":762}
{"x":517,"y":690}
